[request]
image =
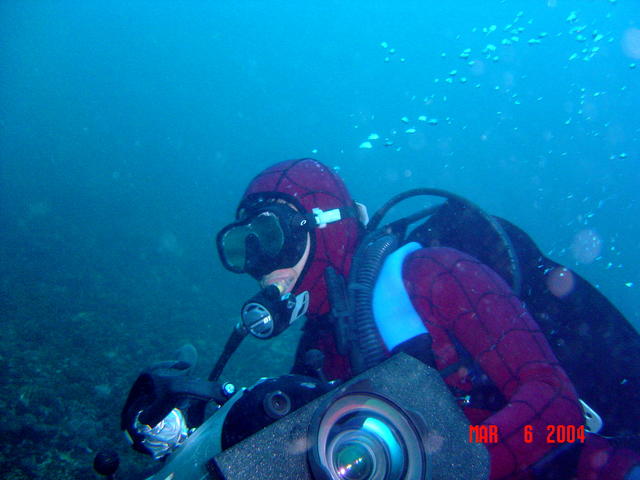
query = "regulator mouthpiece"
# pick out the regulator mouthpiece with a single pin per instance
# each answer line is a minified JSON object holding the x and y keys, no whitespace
{"x":268,"y":313}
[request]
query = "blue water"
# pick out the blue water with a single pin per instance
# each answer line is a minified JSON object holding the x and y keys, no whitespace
{"x":128,"y":131}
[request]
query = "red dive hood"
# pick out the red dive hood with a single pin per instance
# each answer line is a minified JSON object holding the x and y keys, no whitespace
{"x":308,"y":184}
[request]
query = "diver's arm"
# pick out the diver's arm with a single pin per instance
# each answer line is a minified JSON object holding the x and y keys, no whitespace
{"x":462,"y":301}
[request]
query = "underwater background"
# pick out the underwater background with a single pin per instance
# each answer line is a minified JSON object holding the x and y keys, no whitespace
{"x":128,"y":131}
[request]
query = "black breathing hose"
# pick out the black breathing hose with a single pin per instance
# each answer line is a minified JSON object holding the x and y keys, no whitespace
{"x":514,"y":264}
{"x":368,"y":349}
{"x":234,"y":341}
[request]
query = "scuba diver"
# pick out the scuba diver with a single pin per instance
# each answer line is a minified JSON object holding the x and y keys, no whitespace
{"x":463,"y":292}
{"x":438,"y":303}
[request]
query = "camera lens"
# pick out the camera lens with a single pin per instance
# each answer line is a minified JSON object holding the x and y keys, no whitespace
{"x":353,"y":461}
{"x":361,"y":447}
{"x":365,"y":436}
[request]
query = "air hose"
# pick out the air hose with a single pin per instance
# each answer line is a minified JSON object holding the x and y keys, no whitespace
{"x":367,"y":349}
{"x":235,"y":339}
{"x":514,"y":264}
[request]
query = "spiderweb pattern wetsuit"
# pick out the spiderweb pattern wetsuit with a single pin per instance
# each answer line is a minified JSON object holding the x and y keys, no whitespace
{"x":467,"y":308}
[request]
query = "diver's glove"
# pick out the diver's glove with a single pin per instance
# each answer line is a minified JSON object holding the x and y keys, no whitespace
{"x":165,"y":402}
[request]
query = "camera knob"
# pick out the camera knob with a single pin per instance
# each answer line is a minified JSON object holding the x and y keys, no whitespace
{"x":106,"y":462}
{"x":276,"y":404}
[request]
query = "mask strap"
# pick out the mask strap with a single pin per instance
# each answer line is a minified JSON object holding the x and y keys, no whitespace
{"x":324,"y":217}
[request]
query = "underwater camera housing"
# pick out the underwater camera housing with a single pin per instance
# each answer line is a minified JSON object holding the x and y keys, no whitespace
{"x":396,"y":421}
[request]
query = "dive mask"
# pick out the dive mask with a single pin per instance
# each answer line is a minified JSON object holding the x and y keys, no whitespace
{"x":272,"y":235}
{"x":265,"y":240}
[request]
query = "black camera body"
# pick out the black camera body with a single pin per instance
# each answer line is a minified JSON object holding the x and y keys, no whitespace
{"x":280,"y":451}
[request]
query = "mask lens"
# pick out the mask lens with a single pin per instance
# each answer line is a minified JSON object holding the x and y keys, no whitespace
{"x":233,"y":246}
{"x":263,"y":233}
{"x":267,"y":228}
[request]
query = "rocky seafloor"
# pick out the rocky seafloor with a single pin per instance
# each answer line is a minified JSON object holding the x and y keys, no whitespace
{"x":73,"y":340}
